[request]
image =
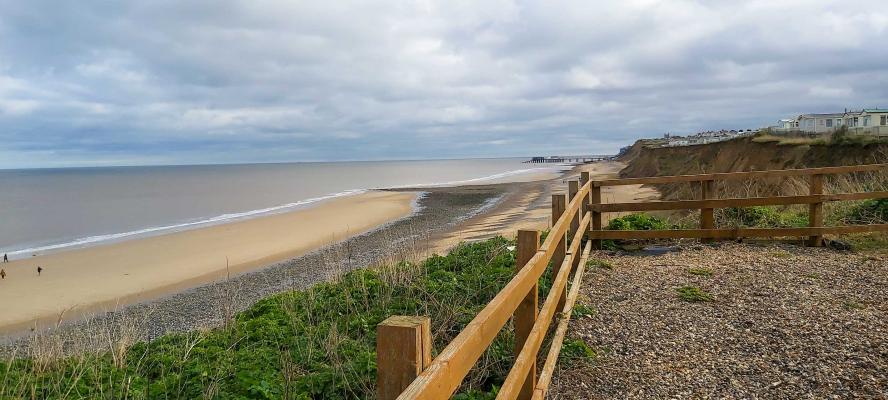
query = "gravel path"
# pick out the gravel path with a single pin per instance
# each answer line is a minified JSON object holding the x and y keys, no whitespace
{"x":784,"y":322}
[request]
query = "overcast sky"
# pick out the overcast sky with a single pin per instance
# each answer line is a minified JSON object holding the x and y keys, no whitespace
{"x":181,"y":81}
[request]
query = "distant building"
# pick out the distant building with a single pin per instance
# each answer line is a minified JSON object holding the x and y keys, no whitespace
{"x":872,"y":118}
{"x":787,"y":124}
{"x":704,"y":137}
{"x":819,"y":123}
{"x":872,"y":121}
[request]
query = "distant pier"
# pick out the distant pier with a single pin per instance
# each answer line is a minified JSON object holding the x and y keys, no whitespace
{"x":570,"y":159}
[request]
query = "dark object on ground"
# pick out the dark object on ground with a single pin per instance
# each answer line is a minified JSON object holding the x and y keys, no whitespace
{"x":838,"y":245}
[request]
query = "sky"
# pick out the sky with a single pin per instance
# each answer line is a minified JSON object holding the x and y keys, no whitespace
{"x":92,"y":83}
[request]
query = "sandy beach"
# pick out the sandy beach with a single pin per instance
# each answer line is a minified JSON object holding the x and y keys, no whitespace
{"x":180,"y":282}
{"x":96,"y":279}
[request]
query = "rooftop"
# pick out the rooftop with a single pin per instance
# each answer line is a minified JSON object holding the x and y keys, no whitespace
{"x":830,"y":115}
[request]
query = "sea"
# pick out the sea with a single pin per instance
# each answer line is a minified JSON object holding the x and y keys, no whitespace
{"x":44,"y":210}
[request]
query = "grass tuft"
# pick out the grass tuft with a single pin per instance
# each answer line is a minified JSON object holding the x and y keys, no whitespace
{"x":576,"y":351}
{"x":693,"y":294}
{"x":597,"y":263}
{"x":582,"y":310}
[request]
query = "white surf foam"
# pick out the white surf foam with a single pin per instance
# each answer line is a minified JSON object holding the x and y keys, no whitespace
{"x":151,"y":231}
{"x":92,"y":240}
{"x":488,"y":178}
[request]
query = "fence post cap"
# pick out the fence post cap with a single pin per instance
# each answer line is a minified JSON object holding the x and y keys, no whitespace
{"x":403,"y":320}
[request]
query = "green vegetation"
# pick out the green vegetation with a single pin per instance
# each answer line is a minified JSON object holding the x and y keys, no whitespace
{"x":872,"y":241}
{"x":781,"y":254}
{"x":582,"y":310}
{"x":783,"y":140}
{"x":841,"y":137}
{"x":868,"y":212}
{"x":700,"y":271}
{"x":633,"y":222}
{"x":637,"y":222}
{"x":317,"y":343}
{"x":596,"y":263}
{"x":576,"y":351}
{"x":762,"y":217}
{"x":693,"y":294}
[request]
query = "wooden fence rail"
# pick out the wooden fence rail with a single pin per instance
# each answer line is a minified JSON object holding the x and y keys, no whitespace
{"x":403,"y":345}
{"x":708,"y":203}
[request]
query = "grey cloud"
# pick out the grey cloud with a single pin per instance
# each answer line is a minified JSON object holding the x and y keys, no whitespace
{"x":97,"y":82}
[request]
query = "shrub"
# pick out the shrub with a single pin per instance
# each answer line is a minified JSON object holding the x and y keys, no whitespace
{"x":763,"y":217}
{"x":869,"y":211}
{"x":633,"y":222}
{"x":637,"y":222}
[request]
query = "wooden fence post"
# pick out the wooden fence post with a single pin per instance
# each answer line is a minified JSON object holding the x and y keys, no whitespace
{"x":572,"y":188}
{"x":403,"y":351}
{"x":584,"y":178}
{"x":707,"y":216}
{"x":595,"y":194}
{"x":526,"y":313}
{"x":559,"y":204}
{"x":815,"y":211}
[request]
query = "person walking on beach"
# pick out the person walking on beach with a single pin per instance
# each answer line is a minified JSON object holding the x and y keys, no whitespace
{"x":39,"y":270}
{"x":2,"y":274}
{"x":5,"y":258}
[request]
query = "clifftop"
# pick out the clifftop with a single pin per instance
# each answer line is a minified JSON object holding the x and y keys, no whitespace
{"x":746,"y":154}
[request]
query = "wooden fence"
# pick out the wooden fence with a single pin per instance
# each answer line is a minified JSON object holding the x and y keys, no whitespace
{"x":708,"y":202}
{"x":405,"y":367}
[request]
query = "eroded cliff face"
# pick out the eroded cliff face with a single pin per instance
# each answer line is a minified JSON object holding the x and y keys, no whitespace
{"x":745,"y":154}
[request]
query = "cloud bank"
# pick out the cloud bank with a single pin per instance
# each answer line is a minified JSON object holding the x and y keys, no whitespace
{"x":205,"y":81}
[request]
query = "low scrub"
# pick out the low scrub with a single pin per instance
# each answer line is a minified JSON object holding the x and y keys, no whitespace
{"x":317,"y":343}
{"x":637,"y":222}
{"x":693,"y":294}
{"x":576,"y":351}
{"x":761,"y":217}
{"x":874,"y":211}
{"x":596,"y":263}
{"x":843,"y":137}
{"x":633,"y":222}
{"x":581,"y":310}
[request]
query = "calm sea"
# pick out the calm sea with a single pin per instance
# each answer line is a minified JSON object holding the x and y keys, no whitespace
{"x":52,"y":209}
